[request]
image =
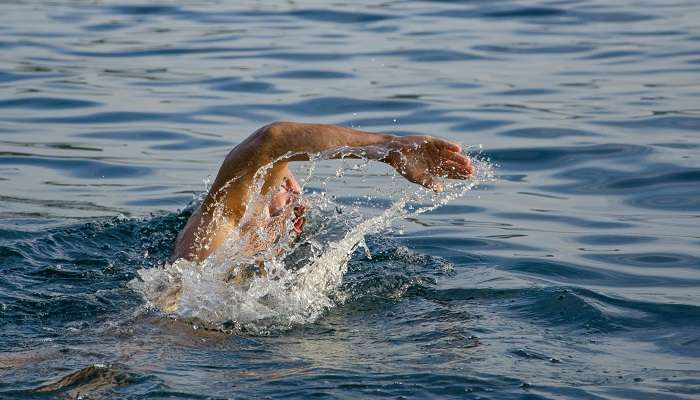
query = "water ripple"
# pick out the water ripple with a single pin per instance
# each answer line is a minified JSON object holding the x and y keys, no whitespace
{"x":649,"y":260}
{"x":311,"y":74}
{"x":668,"y":190}
{"x":177,"y":141}
{"x":79,"y":168}
{"x":658,"y":122}
{"x":546,"y":133}
{"x":46,"y":103}
{"x":109,"y":118}
{"x":549,"y":157}
{"x":340,"y":105}
{"x":343,"y":17}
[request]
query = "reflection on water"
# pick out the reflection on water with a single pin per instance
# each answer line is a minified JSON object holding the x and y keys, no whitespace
{"x":574,"y":275}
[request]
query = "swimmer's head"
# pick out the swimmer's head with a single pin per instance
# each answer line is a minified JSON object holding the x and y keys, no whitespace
{"x":287,"y":203}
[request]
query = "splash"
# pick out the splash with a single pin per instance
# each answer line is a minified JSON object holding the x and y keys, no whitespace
{"x":294,"y":279}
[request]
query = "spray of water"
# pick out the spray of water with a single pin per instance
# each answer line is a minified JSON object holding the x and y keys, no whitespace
{"x":291,"y":280}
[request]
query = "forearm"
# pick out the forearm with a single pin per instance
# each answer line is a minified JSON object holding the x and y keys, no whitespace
{"x":280,"y":142}
{"x":299,"y":141}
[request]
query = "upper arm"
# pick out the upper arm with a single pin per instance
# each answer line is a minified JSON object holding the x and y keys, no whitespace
{"x":225,"y":204}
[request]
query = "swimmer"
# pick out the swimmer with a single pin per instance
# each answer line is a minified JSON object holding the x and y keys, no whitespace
{"x":420,"y":159}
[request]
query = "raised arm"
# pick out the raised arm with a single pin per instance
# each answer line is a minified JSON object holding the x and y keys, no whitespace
{"x":418,"y":158}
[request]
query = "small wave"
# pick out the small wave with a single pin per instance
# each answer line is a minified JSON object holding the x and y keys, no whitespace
{"x":93,"y":380}
{"x":46,"y":103}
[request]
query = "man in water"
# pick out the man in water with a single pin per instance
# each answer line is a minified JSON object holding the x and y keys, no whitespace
{"x":266,"y":153}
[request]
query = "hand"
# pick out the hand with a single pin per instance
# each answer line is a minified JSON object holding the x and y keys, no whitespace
{"x":421,"y":159}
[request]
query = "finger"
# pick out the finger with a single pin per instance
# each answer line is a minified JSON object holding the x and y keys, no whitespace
{"x":454,"y":170}
{"x":457,"y":157}
{"x":442,"y":143}
{"x":463,"y":160}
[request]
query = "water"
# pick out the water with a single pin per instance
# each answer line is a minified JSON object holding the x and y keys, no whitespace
{"x":573,"y":275}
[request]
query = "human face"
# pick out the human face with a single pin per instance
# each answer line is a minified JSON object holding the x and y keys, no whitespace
{"x":287,"y":202}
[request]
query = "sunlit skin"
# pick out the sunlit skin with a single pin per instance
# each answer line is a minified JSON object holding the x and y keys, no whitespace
{"x":420,"y":159}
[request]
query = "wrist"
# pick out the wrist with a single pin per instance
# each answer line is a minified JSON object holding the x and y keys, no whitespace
{"x":391,"y":153}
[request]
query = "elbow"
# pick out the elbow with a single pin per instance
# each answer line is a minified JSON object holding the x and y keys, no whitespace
{"x":275,"y":131}
{"x":274,"y":138}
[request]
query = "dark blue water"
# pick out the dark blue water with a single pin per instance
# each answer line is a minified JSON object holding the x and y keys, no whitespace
{"x":575,"y":275}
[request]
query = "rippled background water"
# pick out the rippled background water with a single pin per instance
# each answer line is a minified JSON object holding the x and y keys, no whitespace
{"x":576,"y":275}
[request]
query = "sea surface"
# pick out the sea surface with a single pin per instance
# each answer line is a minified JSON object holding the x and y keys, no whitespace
{"x":573,"y":274}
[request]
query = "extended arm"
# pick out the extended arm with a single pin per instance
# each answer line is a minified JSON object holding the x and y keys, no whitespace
{"x":418,"y":158}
